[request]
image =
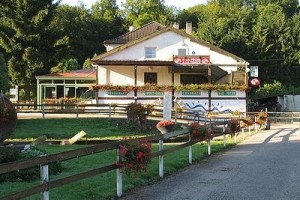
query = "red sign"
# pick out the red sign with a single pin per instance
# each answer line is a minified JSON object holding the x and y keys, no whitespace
{"x":192,"y":59}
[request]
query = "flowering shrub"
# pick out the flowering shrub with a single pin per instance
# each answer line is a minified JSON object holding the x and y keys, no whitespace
{"x":200,"y":131}
{"x":245,"y":122}
{"x":135,"y":155}
{"x":189,"y":87}
{"x":233,"y":125}
{"x":261,"y":117}
{"x":163,"y":123}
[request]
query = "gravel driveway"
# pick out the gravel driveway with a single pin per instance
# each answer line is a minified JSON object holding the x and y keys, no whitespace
{"x":264,"y":166}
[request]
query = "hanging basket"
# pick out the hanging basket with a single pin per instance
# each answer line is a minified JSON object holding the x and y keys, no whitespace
{"x":165,"y":129}
{"x":8,"y":118}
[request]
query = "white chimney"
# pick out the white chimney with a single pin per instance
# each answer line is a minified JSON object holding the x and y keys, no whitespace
{"x":176,"y":25}
{"x":188,"y":28}
{"x":131,"y":28}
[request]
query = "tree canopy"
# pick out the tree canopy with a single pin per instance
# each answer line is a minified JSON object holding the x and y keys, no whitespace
{"x":40,"y":36}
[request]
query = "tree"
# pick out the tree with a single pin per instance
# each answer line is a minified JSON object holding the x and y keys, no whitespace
{"x":4,"y":79}
{"x":108,"y":13}
{"x":65,"y":66}
{"x":140,"y":12}
{"x":87,"y":64}
{"x":80,"y":30}
{"x":26,"y":37}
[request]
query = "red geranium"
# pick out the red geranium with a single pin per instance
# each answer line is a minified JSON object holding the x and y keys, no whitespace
{"x":135,"y":156}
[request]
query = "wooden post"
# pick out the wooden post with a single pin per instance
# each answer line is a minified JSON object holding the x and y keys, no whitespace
{"x":77,"y":111}
{"x":161,"y":159}
{"x":224,"y":134}
{"x":190,"y":150}
{"x":44,"y":174}
{"x":109,"y":111}
{"x":119,"y":176}
{"x":43,"y":110}
{"x":235,"y":137}
{"x":243,"y":132}
{"x":208,"y":147}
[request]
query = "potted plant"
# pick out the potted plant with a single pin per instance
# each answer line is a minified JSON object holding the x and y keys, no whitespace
{"x":135,"y":156}
{"x":233,"y":125}
{"x":165,"y":126}
{"x":246,"y":122}
{"x":261,"y":118}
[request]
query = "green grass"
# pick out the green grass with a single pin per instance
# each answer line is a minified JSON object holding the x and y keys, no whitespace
{"x":96,"y":128}
{"x":101,"y":186}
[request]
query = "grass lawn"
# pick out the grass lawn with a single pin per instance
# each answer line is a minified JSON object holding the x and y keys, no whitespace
{"x":96,"y":128}
{"x":102,"y":186}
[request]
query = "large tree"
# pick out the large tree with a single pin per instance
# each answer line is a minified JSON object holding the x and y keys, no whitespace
{"x":26,"y":37}
{"x":3,"y":75}
{"x":140,"y":12}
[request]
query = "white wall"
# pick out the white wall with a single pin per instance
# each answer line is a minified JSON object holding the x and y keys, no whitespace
{"x":167,"y":45}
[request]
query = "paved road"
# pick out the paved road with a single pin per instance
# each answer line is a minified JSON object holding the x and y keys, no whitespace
{"x":265,"y":166}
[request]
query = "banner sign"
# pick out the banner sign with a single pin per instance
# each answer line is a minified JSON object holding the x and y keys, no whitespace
{"x":192,"y":59}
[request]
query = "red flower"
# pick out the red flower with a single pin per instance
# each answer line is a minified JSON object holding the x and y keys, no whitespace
{"x":140,"y":155}
{"x":165,"y":123}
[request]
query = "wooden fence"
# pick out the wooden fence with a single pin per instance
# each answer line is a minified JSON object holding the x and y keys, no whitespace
{"x":45,"y":186}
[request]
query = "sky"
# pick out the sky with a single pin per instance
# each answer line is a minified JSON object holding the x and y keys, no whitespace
{"x":182,"y":4}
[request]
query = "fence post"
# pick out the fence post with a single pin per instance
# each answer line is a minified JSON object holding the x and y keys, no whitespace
{"x":119,"y":176}
{"x":109,"y":112}
{"x":190,"y":149}
{"x":243,"y":132}
{"x":249,"y":130}
{"x":176,"y":116}
{"x":44,"y":174}
{"x":224,"y":134}
{"x":77,"y":111}
{"x":43,"y":110}
{"x":208,"y":147}
{"x":161,"y":159}
{"x":235,"y":137}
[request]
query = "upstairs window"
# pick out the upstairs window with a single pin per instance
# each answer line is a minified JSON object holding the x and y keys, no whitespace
{"x":182,"y":52}
{"x":150,"y":52}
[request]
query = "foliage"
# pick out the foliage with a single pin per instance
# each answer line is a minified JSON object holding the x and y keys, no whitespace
{"x":200,"y":131}
{"x":137,"y":113}
{"x":65,"y":66}
{"x":135,"y":156}
{"x":246,"y":122}
{"x":141,"y":12}
{"x":261,"y":117}
{"x":27,"y":39}
{"x":274,"y":89}
{"x":10,"y":154}
{"x":4,"y":79}
{"x":87,"y":64}
{"x":151,"y":87}
{"x":234,"y":125}
{"x":8,"y":118}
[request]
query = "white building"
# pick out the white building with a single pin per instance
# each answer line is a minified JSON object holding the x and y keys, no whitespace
{"x":199,"y":75}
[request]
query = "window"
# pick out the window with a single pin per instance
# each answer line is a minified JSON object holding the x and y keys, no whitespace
{"x":192,"y":79}
{"x":150,"y":52}
{"x":182,"y":52}
{"x":150,"y":78}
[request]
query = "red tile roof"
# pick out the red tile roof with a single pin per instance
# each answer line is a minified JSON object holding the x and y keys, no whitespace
{"x":82,"y":73}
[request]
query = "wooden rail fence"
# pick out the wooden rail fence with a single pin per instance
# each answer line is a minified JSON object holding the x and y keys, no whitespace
{"x":45,"y":186}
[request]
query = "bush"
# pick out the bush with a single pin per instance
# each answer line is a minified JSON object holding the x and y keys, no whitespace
{"x":10,"y":154}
